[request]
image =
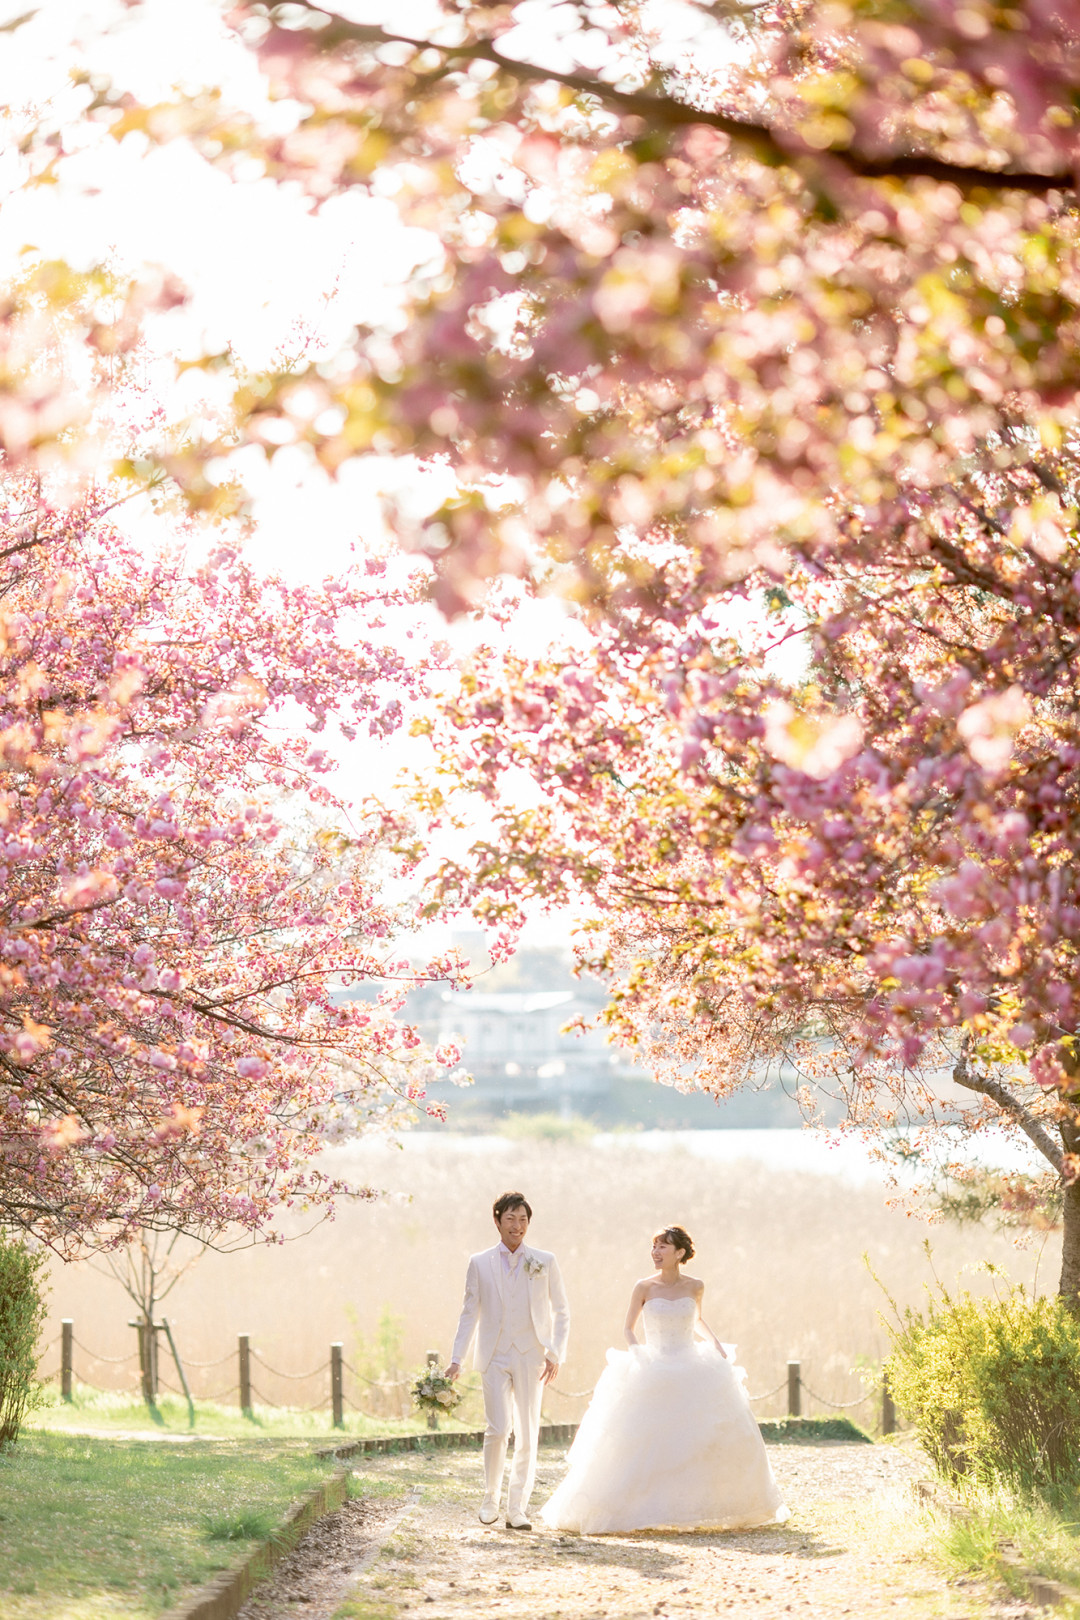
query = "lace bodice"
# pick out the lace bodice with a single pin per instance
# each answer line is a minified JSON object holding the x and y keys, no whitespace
{"x":669,"y":1324}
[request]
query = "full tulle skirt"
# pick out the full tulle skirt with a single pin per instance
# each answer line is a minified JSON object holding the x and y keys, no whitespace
{"x":669,"y":1442}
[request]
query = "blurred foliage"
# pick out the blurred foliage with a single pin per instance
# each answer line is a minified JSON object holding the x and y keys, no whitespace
{"x":807,"y":1430}
{"x":1033,"y":1202}
{"x":547,"y":1127}
{"x":972,"y":1193}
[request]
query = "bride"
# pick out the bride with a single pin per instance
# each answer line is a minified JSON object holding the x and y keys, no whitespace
{"x":669,"y":1440}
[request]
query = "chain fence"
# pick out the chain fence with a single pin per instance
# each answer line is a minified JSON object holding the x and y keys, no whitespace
{"x":295,"y":1377}
{"x":112,"y":1361}
{"x":769,"y":1393}
{"x":377,"y":1383}
{"x":333,"y":1370}
{"x":838,"y":1406}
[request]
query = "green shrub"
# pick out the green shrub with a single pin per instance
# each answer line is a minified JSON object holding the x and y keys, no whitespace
{"x":22,"y":1311}
{"x":993,"y":1388}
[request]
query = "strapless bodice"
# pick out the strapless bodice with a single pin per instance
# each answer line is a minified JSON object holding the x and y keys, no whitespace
{"x":669,"y":1324}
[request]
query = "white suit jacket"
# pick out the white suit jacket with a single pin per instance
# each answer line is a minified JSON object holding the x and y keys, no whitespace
{"x":482,"y":1309}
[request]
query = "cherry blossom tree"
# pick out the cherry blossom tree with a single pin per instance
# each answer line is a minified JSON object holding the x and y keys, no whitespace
{"x":780,"y":310}
{"x":865,"y":866}
{"x":739,"y":305}
{"x":181,"y":898}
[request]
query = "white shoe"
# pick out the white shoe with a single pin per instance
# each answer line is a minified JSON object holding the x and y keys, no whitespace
{"x":489,"y":1511}
{"x":517,"y":1521}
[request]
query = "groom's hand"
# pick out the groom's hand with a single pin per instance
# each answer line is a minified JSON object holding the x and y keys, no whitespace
{"x":550,"y":1368}
{"x":453,"y":1372}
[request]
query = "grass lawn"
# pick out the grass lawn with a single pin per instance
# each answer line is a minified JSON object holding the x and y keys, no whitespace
{"x":92,"y":1527}
{"x":116,"y":1412}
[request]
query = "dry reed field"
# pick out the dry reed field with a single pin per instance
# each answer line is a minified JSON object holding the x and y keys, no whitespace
{"x":781,"y":1253}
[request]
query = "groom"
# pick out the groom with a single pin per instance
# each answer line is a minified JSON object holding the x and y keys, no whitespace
{"x":515,"y":1303}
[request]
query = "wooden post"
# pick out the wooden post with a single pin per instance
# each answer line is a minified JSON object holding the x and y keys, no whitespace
{"x":433,"y":1361}
{"x":147,"y":1359}
{"x":337,"y":1386}
{"x":244,"y":1345}
{"x":794,"y":1389}
{"x":167,"y":1330}
{"x":888,"y":1408}
{"x":152,"y":1348}
{"x":67,"y":1346}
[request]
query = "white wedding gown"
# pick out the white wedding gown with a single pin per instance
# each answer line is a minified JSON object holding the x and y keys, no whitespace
{"x":669,"y":1440}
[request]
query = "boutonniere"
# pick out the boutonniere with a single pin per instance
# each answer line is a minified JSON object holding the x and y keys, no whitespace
{"x":534,"y":1268}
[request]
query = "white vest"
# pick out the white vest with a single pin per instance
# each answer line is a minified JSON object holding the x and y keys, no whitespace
{"x":516,"y":1331}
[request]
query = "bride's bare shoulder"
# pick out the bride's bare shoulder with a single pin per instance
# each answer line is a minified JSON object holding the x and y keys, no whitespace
{"x":695,"y":1284}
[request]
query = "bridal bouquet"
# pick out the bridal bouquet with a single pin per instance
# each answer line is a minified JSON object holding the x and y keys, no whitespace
{"x":433,"y":1392}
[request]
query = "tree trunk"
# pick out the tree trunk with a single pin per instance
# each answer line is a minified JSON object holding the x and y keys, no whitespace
{"x":1069,"y":1286}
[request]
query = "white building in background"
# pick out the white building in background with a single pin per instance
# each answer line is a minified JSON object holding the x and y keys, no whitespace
{"x":513,"y":1046}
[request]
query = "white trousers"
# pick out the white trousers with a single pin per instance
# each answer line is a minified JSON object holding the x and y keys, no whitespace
{"x":512,"y":1396}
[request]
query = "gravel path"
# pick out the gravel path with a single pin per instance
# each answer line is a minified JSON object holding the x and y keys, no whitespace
{"x":857,"y":1544}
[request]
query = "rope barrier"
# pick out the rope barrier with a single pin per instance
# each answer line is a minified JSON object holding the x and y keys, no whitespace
{"x":277,"y":1406}
{"x":297,"y":1377}
{"x":838,"y":1406}
{"x":264,"y":1400}
{"x":380,"y":1383}
{"x":113,"y":1361}
{"x":375,"y":1383}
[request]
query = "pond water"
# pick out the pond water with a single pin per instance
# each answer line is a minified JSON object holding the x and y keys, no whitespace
{"x":847,"y":1155}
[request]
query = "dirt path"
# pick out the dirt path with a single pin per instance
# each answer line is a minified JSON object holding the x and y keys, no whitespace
{"x":856,"y":1545}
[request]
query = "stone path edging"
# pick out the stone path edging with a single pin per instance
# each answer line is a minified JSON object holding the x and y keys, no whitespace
{"x":791,"y":1429}
{"x":1038,"y":1589}
{"x":438,"y":1439}
{"x":223,"y":1597}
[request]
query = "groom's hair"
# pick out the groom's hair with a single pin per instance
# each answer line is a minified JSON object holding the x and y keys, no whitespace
{"x":511,"y":1201}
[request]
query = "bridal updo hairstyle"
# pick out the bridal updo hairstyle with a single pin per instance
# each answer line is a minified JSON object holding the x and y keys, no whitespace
{"x":679,"y":1238}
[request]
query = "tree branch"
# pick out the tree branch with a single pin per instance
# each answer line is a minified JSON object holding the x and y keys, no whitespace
{"x":767,"y":144}
{"x":1032,"y":1128}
